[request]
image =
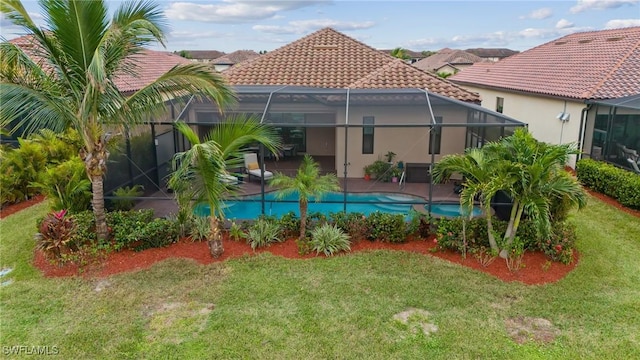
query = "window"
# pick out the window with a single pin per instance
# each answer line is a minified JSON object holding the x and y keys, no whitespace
{"x":367,"y":134}
{"x":499,"y":104}
{"x":436,"y":137}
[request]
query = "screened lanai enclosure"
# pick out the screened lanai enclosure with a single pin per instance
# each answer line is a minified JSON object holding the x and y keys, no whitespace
{"x":345,"y":130}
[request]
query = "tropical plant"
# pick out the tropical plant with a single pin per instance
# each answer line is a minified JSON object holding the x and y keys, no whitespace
{"x":306,"y":184}
{"x":66,"y":185}
{"x":66,"y":77}
{"x":200,"y":171}
{"x":200,"y":228}
{"x":236,"y":232}
{"x":56,"y":235}
{"x":329,"y":239}
{"x":263,"y":233}
{"x":530,"y":172}
{"x":400,"y":53}
{"x":124,"y":197}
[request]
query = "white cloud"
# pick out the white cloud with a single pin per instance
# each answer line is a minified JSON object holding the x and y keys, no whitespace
{"x":234,"y":11}
{"x":584,"y":5}
{"x":621,"y":23}
{"x":305,"y":26}
{"x":538,"y":14}
{"x":564,"y":24}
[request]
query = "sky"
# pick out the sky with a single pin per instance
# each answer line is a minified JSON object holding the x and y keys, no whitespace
{"x":258,"y":25}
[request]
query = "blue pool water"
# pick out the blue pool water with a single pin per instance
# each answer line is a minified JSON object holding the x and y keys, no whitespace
{"x":250,"y":207}
{"x":450,"y":210}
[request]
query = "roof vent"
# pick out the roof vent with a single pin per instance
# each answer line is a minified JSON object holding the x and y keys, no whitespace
{"x":560,"y":42}
{"x":615,"y":38}
{"x":325,"y":47}
{"x":585,"y":41}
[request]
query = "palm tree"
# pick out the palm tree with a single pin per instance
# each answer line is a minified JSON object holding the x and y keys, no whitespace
{"x":67,"y":78}
{"x":480,"y":181}
{"x":307,"y":183}
{"x":400,"y":53}
{"x":537,"y":169}
{"x":201,"y":172}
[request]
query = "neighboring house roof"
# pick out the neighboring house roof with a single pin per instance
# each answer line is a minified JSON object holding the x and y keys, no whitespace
{"x":330,"y":59}
{"x":589,"y":65}
{"x":156,"y":63}
{"x":153,"y":64}
{"x":447,"y":56}
{"x":492,"y":53}
{"x":205,"y":54}
{"x":235,"y":57}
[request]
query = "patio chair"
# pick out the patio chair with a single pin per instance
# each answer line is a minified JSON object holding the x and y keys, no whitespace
{"x":253,"y":169}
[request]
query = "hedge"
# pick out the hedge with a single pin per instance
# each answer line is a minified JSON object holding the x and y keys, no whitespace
{"x":622,"y":185}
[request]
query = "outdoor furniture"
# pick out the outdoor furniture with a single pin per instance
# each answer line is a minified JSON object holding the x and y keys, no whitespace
{"x":252,"y":168}
{"x":289,"y":150}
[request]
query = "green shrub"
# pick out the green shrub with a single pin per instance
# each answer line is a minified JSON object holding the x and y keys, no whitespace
{"x":353,"y":223}
{"x":315,"y":219}
{"x":622,"y":185}
{"x":329,"y":239}
{"x":560,"y":244}
{"x":157,"y":233}
{"x":85,"y":232}
{"x":128,"y":227}
{"x":419,"y":224}
{"x":290,"y":225}
{"x":67,"y":185}
{"x":56,"y":235}
{"x":386,"y":227}
{"x":263,"y":232}
{"x":124,"y":195}
{"x":201,"y":226}
{"x":236,"y":232}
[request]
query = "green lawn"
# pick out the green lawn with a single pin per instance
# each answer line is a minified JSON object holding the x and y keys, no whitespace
{"x":341,"y":307}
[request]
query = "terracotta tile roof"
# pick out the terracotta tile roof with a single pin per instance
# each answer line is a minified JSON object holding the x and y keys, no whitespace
{"x":447,"y":56}
{"x":492,"y":52}
{"x":153,"y":64}
{"x":588,"y":65}
{"x":235,"y":57}
{"x":205,"y":54}
{"x":398,"y":74}
{"x":330,"y":59}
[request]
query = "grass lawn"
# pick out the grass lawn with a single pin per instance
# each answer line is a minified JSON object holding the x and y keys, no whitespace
{"x":341,"y":307}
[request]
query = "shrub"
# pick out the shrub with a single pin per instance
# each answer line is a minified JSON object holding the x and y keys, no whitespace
{"x":236,"y":232}
{"x":201,"y":226}
{"x":386,"y":227}
{"x":56,"y":235}
{"x":157,"y":233}
{"x":620,"y":184}
{"x":290,"y":225}
{"x":67,"y":185}
{"x":329,"y":239}
{"x":128,"y":226}
{"x":419,"y":224}
{"x":352,"y":223}
{"x":484,"y":255}
{"x":315,"y":219}
{"x":263,"y":232}
{"x":516,"y":253}
{"x":124,"y":195}
{"x":560,"y":244}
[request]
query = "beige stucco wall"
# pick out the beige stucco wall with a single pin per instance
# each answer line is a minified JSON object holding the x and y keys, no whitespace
{"x":321,"y":141}
{"x":539,"y":113}
{"x":410,"y":144}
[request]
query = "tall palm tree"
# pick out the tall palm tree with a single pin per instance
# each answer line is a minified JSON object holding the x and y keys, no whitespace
{"x":201,"y":172}
{"x":67,"y":78}
{"x":400,"y":53}
{"x":307,"y":183}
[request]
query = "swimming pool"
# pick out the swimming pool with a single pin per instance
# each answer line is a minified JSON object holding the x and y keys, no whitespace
{"x":450,"y":210}
{"x":250,"y":207}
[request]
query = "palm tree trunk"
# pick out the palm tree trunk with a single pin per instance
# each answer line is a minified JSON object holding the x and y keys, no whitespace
{"x":492,"y":239}
{"x":303,"y":219}
{"x":510,"y":234}
{"x":215,"y":236}
{"x":97,"y":201}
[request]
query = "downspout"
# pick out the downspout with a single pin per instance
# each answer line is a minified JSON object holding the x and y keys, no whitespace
{"x":261,"y":147}
{"x":346,"y":157}
{"x":430,"y":147}
{"x":583,"y":129}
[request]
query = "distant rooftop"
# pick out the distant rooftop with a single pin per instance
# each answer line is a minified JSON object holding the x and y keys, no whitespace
{"x":492,"y":52}
{"x":447,"y":56}
{"x":235,"y":57}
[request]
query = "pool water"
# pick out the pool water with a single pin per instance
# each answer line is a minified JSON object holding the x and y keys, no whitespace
{"x":250,"y":207}
{"x":450,"y":210}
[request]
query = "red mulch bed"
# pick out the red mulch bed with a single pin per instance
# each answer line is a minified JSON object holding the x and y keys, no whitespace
{"x":537,"y":269}
{"x":14,"y":208}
